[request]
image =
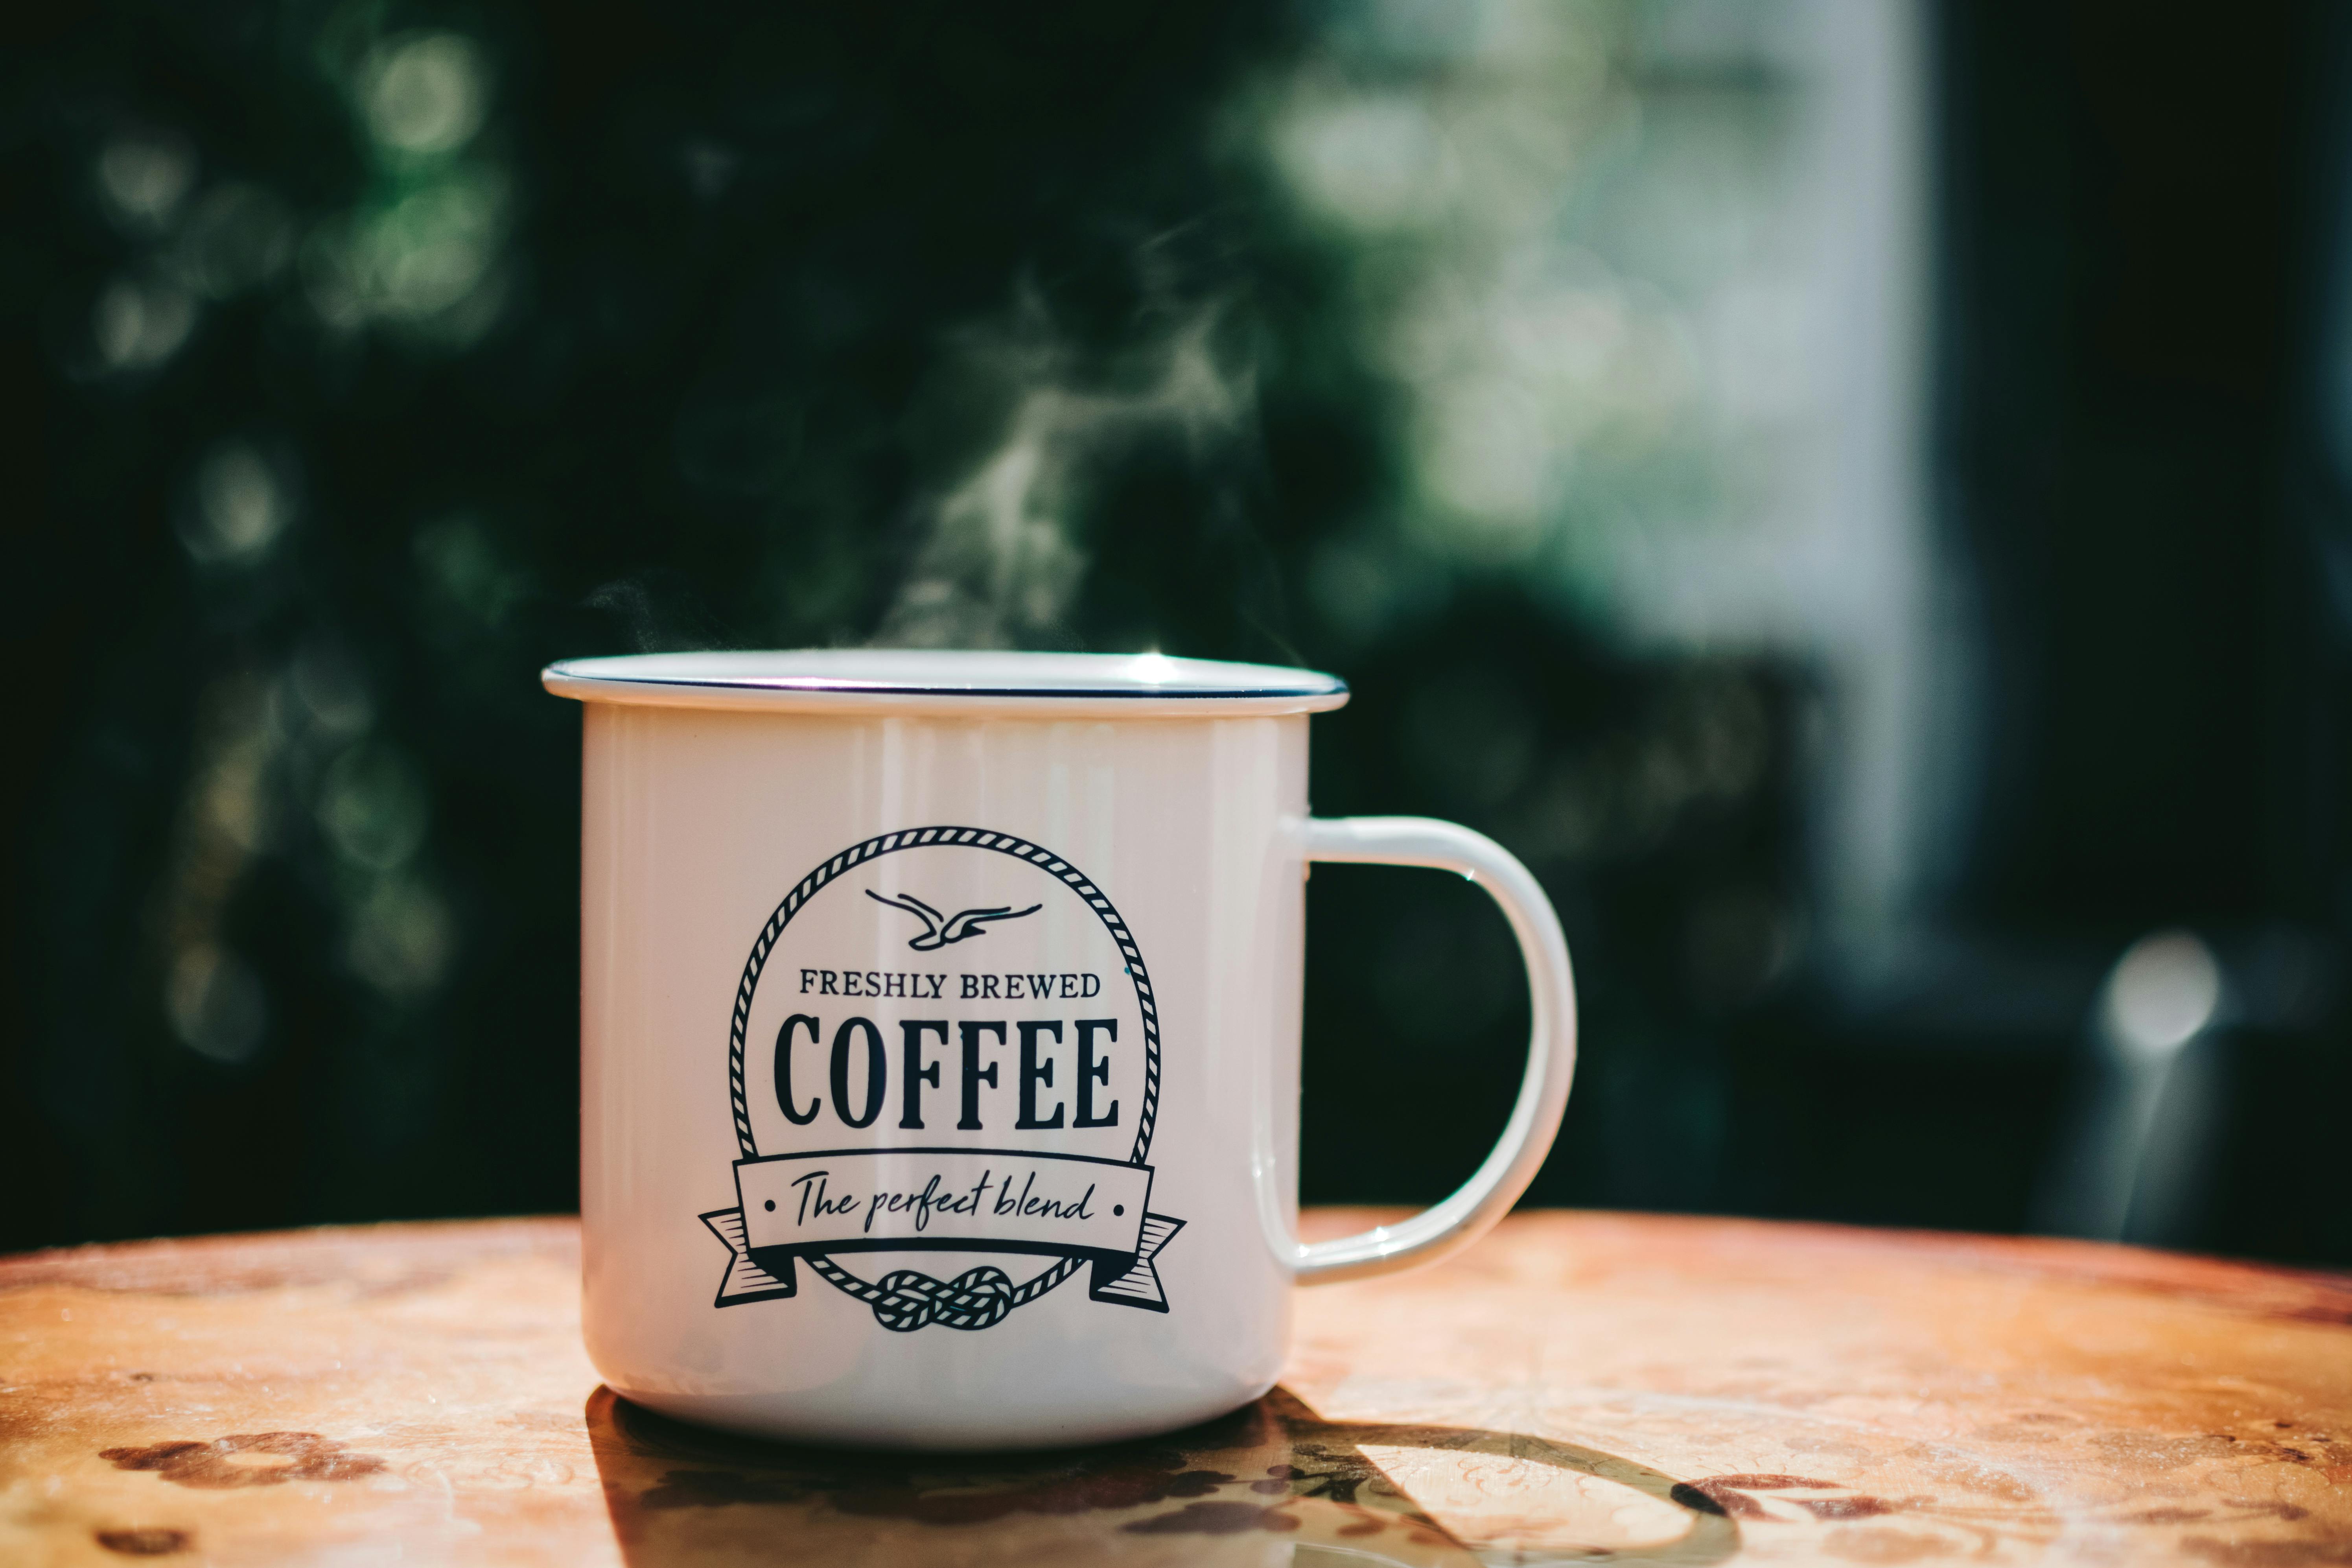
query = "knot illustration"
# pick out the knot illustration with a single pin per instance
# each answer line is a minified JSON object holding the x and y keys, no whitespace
{"x":907,"y":1300}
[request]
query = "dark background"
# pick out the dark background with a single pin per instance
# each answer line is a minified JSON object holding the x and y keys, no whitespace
{"x":770,"y":279}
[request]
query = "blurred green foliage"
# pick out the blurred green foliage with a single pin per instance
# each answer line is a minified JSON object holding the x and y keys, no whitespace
{"x":384,"y":352}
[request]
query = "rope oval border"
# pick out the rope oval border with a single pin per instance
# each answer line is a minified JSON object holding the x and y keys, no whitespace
{"x":874,"y":849}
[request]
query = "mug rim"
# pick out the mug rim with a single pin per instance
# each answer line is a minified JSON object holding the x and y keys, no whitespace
{"x":958,"y":681}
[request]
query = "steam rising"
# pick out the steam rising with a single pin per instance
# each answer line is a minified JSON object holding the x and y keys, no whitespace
{"x":1003,"y":559}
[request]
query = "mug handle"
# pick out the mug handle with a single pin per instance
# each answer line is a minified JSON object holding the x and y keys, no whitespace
{"x":1488,"y":1195}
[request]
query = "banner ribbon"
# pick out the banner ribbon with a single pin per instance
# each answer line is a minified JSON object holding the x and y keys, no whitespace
{"x":814,"y":1205}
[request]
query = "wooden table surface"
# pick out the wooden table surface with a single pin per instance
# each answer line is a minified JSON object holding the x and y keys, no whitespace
{"x":1578,"y":1387}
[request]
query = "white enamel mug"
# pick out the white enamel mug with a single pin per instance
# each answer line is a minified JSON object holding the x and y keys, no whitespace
{"x":940,"y":1021}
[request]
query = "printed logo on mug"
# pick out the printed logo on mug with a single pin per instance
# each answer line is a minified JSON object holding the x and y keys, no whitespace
{"x":1011,"y":1103}
{"x":942,"y":1010}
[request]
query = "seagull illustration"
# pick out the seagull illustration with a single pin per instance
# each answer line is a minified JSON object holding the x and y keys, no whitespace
{"x":939,"y":932}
